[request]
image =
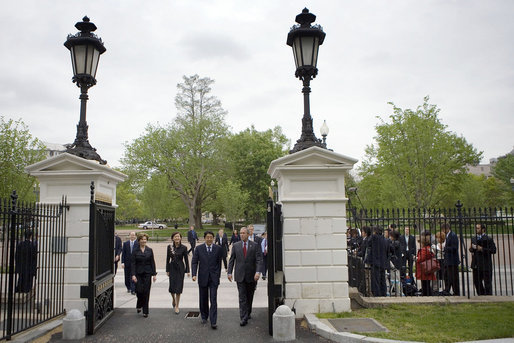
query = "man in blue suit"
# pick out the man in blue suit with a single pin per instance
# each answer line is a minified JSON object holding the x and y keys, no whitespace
{"x":126,"y":258}
{"x":451,"y":260}
{"x":207,"y":262}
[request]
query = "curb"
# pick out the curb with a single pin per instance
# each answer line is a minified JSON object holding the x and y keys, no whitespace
{"x":37,"y":332}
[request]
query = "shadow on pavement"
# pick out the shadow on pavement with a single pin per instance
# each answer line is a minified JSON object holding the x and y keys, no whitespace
{"x":164,"y":326}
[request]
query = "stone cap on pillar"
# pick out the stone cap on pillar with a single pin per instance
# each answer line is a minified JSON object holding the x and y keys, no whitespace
{"x":311,"y":174}
{"x":71,"y":176}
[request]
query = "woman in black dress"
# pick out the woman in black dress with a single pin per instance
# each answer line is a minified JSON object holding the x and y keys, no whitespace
{"x":143,"y":268}
{"x":177,"y":263}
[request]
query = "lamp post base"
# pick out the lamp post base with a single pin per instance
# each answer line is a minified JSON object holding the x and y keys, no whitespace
{"x":85,"y":150}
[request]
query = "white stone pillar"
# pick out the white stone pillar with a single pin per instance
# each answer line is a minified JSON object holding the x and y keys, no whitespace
{"x":312,"y":193}
{"x":70,"y":176}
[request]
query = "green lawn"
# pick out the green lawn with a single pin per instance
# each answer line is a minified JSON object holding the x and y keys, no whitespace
{"x":164,"y":234}
{"x":439,"y":323}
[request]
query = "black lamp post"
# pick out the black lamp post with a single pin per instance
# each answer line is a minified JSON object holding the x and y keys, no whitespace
{"x":305,"y":41}
{"x":85,"y":48}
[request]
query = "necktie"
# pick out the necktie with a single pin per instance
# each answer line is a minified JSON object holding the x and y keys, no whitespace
{"x":131,"y":245}
{"x":244,"y":249}
{"x":209,"y":249}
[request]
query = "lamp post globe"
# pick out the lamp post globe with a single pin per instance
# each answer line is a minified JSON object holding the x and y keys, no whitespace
{"x":324,"y":133}
{"x":85,"y":49}
{"x":305,"y":40}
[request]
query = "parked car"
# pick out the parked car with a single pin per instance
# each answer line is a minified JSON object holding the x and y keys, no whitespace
{"x":152,"y":225}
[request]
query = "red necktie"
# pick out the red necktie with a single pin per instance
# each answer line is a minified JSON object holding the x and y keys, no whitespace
{"x":244,"y":249}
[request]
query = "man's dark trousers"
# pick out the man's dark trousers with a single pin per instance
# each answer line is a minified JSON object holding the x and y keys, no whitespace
{"x":246,"y":291}
{"x":211,"y":291}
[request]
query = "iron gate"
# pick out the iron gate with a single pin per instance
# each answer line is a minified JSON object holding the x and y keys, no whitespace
{"x":276,"y":280}
{"x":100,"y":289}
{"x":32,"y":254}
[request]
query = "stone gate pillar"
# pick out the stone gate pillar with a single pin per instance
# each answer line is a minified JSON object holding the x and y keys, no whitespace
{"x":71,"y":176}
{"x":312,"y":193}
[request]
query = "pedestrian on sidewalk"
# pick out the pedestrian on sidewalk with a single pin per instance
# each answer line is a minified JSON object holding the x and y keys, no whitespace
{"x":207,"y":263}
{"x":126,"y":261}
{"x":222,"y":240}
{"x":143,"y":268}
{"x":247,"y":257}
{"x":264,"y":248}
{"x":192,"y":238}
{"x":177,"y":264}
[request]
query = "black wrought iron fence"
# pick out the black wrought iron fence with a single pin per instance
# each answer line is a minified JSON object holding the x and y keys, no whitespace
{"x":32,"y":252}
{"x":481,"y":270}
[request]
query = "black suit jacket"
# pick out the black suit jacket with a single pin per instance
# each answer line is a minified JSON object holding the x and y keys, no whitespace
{"x":408,"y":249}
{"x":143,"y":262}
{"x":222,"y":242}
{"x":482,"y":260}
{"x":246,"y":267}
{"x":256,"y":238}
{"x":378,"y":251}
{"x":207,"y":265}
{"x":126,"y":255}
{"x":117,"y":246}
{"x":451,"y":250}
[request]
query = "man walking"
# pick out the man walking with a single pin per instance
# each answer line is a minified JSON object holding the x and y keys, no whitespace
{"x":264,"y":249}
{"x":222,"y":240}
{"x":192,"y":238}
{"x":126,"y":261}
{"x":451,"y":261}
{"x":247,"y":257}
{"x":207,"y":263}
{"x":482,"y":247}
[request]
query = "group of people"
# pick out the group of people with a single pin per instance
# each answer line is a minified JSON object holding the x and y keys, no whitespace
{"x":245,"y":266}
{"x":389,"y":259}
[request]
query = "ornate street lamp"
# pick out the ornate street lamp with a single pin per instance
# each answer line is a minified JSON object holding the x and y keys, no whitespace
{"x":305,"y":41}
{"x":85,"y":48}
{"x":324,"y":133}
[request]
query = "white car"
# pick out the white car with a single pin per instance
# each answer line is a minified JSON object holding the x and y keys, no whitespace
{"x":152,"y":225}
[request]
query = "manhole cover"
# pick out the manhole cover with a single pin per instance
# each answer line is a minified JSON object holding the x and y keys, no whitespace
{"x":356,"y":325}
{"x":192,"y":314}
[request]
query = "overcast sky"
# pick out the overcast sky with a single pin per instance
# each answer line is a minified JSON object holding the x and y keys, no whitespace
{"x":460,"y":53}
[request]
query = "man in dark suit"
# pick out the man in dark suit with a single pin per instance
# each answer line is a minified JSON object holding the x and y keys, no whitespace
{"x":451,"y":260}
{"x":207,"y":263}
{"x":482,"y":247}
{"x":253,"y":237}
{"x":408,"y":248}
{"x":377,"y":258}
{"x":192,"y":238}
{"x":222,"y":240}
{"x":126,"y":261}
{"x":247,"y":257}
{"x":118,"y":247}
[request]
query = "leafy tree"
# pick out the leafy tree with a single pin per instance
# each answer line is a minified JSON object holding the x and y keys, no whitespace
{"x":129,"y":207}
{"x":248,"y":155}
{"x":159,"y":201}
{"x":17,"y":150}
{"x":415,"y":159}
{"x":233,"y":200}
{"x":504,"y":168}
{"x":187,"y":150}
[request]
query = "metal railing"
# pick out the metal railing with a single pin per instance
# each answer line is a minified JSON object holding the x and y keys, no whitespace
{"x":32,"y":252}
{"x":499,"y":224}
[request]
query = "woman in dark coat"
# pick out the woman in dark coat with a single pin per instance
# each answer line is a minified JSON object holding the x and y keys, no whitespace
{"x":143,"y":268}
{"x":26,"y":263}
{"x":177,"y":264}
{"x":235,"y":237}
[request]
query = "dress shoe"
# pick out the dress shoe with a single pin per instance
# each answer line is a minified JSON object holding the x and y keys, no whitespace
{"x":138,"y":310}
{"x":243,"y":323}
{"x":204,"y":321}
{"x":133,"y":293}
{"x":128,"y":290}
{"x":177,"y":311}
{"x":214,"y":326}
{"x":264,"y":278}
{"x":145,"y":315}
